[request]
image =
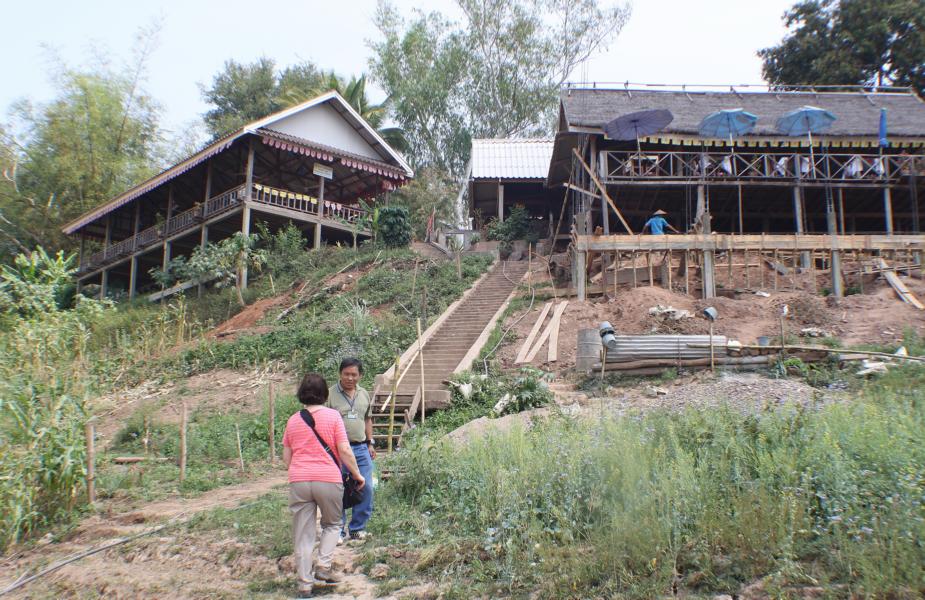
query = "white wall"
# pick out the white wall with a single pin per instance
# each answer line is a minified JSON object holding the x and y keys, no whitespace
{"x":324,"y":125}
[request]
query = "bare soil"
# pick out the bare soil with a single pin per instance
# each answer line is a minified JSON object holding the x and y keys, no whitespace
{"x":876,"y":317}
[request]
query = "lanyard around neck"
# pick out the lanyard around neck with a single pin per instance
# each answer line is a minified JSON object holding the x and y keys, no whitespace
{"x":350,"y":401}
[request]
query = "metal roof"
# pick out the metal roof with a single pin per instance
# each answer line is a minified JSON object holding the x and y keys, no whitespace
{"x":526,"y":158}
{"x":858,"y":112}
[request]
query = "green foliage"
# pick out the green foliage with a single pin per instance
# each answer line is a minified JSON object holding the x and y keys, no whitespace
{"x":850,"y":42}
{"x":515,"y":227}
{"x":430,"y":192}
{"x":98,"y":136}
{"x":226,"y":261}
{"x":241,"y":93}
{"x":394,"y":228}
{"x":707,"y":501}
{"x":494,"y":74}
{"x":41,"y":405}
{"x":286,"y":250}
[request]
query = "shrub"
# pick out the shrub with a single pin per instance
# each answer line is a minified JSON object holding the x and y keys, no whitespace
{"x":394,"y":226}
{"x":515,"y":227}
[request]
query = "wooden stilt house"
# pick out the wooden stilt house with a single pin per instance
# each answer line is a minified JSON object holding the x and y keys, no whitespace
{"x":309,"y":165}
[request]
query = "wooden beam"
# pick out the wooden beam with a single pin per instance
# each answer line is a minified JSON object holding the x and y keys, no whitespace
{"x":915,"y":242}
{"x":556,"y":316}
{"x":602,"y":189}
{"x":528,"y":343}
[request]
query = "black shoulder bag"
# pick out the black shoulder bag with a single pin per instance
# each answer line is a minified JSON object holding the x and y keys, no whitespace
{"x":352,"y":494}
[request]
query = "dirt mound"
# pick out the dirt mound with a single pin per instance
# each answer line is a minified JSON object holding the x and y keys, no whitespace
{"x":246,"y":320}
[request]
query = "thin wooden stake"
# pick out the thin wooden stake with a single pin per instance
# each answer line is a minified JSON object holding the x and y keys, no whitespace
{"x":687,"y":266}
{"x":730,"y":281}
{"x":552,"y":281}
{"x":782,"y":337}
{"x":649,"y":265}
{"x":271,"y":425}
{"x":146,"y":441}
{"x":712,"y":359}
{"x":761,"y":262}
{"x":183,"y":423}
{"x":91,"y":461}
{"x":237,"y":433}
{"x":421,"y":361}
{"x":861,"y":268}
{"x":812,"y":270}
{"x":616,"y":273}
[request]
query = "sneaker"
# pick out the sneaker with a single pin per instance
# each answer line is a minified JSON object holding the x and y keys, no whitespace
{"x":328,"y":576}
{"x":305,"y":591}
{"x":359,"y":535}
{"x":340,"y":539}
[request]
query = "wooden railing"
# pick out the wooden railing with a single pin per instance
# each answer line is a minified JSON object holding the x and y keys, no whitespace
{"x":755,"y":166}
{"x":307,"y":204}
{"x":156,"y":233}
{"x":215,"y":205}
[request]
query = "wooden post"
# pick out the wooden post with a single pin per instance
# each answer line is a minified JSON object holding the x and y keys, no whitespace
{"x":392,"y":403}
{"x":500,"y":202}
{"x":712,"y":359}
{"x":649,"y":266}
{"x":104,"y":283}
{"x":633,"y":258}
{"x":271,"y":429}
{"x":183,"y":424}
{"x":730,"y":280}
{"x":246,"y":230}
{"x":91,"y":461}
{"x":888,"y":209}
{"x":776,"y":266}
{"x":668,"y":261}
{"x":316,"y":237}
{"x":580,"y":273}
{"x":687,"y":266}
{"x":761,"y":261}
{"x":748,"y":280}
{"x":146,"y":440}
{"x":237,"y":434}
{"x":203,"y":242}
{"x":421,"y":362}
{"x":783,"y":336}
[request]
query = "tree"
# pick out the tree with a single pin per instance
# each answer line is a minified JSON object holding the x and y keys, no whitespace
{"x":227,"y":262}
{"x":851,"y":42}
{"x":99,"y":136}
{"x":430,"y":192}
{"x":394,"y":226}
{"x":495,"y":74}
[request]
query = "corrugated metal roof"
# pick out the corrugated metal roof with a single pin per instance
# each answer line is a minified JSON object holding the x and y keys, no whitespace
{"x":526,"y":158}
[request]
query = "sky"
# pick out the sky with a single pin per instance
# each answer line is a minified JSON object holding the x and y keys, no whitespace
{"x":665,"y":41}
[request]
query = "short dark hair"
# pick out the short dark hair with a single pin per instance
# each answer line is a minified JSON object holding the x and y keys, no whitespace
{"x":351,"y":361}
{"x":313,"y":389}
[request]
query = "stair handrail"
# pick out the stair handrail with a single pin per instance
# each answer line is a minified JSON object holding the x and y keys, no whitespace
{"x":401,"y":376}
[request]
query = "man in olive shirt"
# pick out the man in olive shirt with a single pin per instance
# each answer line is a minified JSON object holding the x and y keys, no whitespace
{"x":356,"y":408}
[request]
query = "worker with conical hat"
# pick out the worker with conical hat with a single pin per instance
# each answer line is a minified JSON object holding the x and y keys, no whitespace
{"x":657,"y":224}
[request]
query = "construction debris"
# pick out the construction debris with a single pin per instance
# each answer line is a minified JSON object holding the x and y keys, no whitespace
{"x":528,"y":343}
{"x":814,"y":332}
{"x":670,"y":313}
{"x":899,"y":287}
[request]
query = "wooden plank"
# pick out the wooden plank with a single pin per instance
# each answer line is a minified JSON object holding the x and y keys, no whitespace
{"x":899,"y":287}
{"x":560,"y":308}
{"x":553,"y":351}
{"x":528,"y":343}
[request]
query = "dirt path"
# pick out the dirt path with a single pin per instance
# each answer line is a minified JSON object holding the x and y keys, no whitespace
{"x":173,"y":562}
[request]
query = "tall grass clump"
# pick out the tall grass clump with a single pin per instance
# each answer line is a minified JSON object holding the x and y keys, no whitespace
{"x":707,"y":501}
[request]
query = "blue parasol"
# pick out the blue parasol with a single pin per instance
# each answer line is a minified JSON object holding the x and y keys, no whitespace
{"x":806,"y":120}
{"x":729,"y":123}
{"x":883,"y":142}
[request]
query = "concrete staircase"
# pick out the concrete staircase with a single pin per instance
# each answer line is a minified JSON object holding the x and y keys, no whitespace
{"x":449,"y":344}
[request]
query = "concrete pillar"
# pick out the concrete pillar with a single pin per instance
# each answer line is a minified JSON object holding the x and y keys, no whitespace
{"x":104,"y":283}
{"x":838,"y":284}
{"x":799,"y":220}
{"x":246,"y":230}
{"x":132,"y":277}
{"x":703,"y":215}
{"x":203,"y":241}
{"x":888,"y":209}
{"x":581,"y":274}
{"x":500,"y":202}
{"x":317,"y":240}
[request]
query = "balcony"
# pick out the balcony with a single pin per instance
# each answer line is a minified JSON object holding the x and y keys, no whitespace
{"x":321,"y":211}
{"x":764,"y":167}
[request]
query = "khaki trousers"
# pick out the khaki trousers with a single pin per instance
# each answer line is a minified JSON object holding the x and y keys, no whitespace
{"x":304,"y":498}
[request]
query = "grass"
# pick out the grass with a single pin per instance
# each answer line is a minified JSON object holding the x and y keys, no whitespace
{"x":709,"y":501}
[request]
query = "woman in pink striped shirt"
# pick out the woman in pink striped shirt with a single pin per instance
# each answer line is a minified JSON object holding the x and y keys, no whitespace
{"x":315,"y":480}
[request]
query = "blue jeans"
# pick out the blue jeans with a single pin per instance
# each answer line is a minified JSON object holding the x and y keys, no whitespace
{"x":363,"y":510}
